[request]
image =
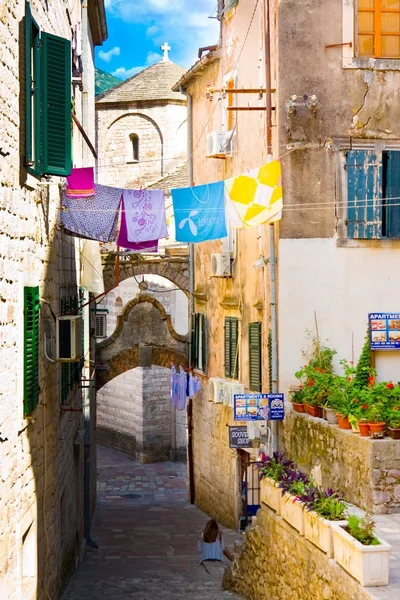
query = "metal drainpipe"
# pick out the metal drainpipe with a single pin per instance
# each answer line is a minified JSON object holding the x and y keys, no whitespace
{"x":191,"y":290}
{"x":272,"y":254}
{"x":86,"y":309}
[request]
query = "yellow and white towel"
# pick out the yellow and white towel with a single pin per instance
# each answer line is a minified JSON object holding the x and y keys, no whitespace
{"x":256,"y":197}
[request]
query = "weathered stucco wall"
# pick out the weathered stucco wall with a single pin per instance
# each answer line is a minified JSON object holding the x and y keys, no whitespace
{"x":365,"y":471}
{"x":342,"y":286}
{"x":285,"y":566}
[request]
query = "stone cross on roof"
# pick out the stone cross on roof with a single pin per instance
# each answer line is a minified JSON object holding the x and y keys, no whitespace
{"x":166,"y":48}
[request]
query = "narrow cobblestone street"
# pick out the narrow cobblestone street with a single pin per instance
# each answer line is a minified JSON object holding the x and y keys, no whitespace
{"x":147,"y":535}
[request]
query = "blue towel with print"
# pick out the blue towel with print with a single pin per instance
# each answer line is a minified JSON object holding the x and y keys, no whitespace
{"x":199,"y":213}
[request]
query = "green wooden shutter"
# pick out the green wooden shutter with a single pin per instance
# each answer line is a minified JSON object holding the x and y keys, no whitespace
{"x":56,"y":105}
{"x":227,"y":346}
{"x":31,"y":349}
{"x":255,"y":357}
{"x":364,"y":188}
{"x":234,"y":349}
{"x":28,"y":85}
{"x":391,"y":217}
{"x":32,"y":93}
{"x":204,"y":342}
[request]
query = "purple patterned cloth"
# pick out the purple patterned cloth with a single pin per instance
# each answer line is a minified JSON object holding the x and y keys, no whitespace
{"x":94,"y":219}
{"x":145,"y":215}
{"x":150,"y":246}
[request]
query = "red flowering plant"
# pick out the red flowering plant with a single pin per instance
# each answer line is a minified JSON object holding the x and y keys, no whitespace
{"x":316,"y":376}
{"x":385,"y":396}
{"x":346,"y":396}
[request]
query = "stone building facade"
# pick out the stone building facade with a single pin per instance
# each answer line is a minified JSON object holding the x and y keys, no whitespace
{"x":141,"y":128}
{"x":42,"y":471}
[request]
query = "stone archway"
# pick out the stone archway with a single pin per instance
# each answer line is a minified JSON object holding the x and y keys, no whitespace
{"x":175,"y":269}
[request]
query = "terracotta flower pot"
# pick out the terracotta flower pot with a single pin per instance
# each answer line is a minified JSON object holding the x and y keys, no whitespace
{"x":394,"y":433}
{"x":377,"y":427}
{"x":314,"y":411}
{"x":343,"y":422}
{"x":364,"y":429}
{"x":298,"y":407}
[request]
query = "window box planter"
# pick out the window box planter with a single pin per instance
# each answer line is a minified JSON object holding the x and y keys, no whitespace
{"x":394,"y":433}
{"x":270,"y":494}
{"x":298,"y":407}
{"x":319,"y":531}
{"x":314,"y":411}
{"x":292,"y":510}
{"x":368,"y":564}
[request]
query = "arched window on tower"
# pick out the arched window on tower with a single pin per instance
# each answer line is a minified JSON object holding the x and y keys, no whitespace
{"x":134,"y":139}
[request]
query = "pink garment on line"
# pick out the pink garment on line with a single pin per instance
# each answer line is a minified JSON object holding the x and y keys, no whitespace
{"x":150,"y":246}
{"x":80,"y":183}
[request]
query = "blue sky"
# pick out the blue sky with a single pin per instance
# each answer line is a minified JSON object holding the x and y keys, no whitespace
{"x":137,"y":29}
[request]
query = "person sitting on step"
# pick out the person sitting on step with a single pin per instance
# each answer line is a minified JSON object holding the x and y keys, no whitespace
{"x":211,"y":543}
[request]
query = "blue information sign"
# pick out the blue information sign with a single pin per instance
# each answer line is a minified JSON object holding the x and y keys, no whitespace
{"x":384,"y":331}
{"x":258,"y":407}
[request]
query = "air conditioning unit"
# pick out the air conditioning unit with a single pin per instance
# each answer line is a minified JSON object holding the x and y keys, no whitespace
{"x":221,"y":264}
{"x":230,"y":389}
{"x":69,"y":338}
{"x":220,"y":144}
{"x":216,"y":389}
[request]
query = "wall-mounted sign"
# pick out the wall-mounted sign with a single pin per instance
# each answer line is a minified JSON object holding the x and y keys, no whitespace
{"x":238,"y":437}
{"x":258,"y":407}
{"x":384,"y":331}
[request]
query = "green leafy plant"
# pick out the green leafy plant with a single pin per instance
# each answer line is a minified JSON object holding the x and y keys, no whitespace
{"x":276,"y":467}
{"x":362,"y":529}
{"x":376,"y":413}
{"x":363,"y":370}
{"x":297,"y":395}
{"x":329,"y":505}
{"x":394,"y":418}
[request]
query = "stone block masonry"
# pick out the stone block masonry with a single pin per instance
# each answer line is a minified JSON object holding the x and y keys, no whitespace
{"x":276,"y":563}
{"x":365,"y":471}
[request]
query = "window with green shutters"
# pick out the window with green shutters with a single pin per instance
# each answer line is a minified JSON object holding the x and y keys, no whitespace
{"x":70,"y":372}
{"x":231,"y":337}
{"x":31,"y":349}
{"x":48,"y":133}
{"x":198,"y":358}
{"x":255,"y":357}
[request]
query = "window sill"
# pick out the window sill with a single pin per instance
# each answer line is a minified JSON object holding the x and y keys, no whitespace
{"x":377,"y":64}
{"x":132,"y":162}
{"x":351,"y":243}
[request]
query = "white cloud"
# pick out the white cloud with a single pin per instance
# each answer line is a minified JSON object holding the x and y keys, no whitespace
{"x":123,"y":73}
{"x":175,"y":21}
{"x":107,"y":56}
{"x":153,"y":57}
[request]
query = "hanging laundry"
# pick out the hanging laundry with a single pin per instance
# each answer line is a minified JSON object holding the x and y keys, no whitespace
{"x":150,"y":246}
{"x":77,"y":50}
{"x":94,"y":219}
{"x":194,"y":385}
{"x":145,"y":215}
{"x":178,"y":388}
{"x":199,"y":213}
{"x":256,"y":197}
{"x":92,"y":271}
{"x":80,"y":184}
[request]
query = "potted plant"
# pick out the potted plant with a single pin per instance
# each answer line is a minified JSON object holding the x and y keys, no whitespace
{"x":296,"y":490}
{"x":327,"y":507}
{"x":330,"y":413}
{"x":360,"y":552}
{"x":376,"y":418}
{"x":394,"y":423}
{"x":296,"y":398}
{"x":273,"y":470}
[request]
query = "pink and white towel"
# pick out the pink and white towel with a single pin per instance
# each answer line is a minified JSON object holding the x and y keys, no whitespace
{"x":145,"y":215}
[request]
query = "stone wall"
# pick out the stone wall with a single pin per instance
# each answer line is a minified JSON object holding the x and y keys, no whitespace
{"x":135,"y":415}
{"x":41,"y":466}
{"x":366,"y":471}
{"x":285,"y":566}
{"x":216,"y":474}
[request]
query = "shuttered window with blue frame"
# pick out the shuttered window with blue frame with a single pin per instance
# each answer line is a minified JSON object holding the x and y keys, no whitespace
{"x":48,"y":76}
{"x":373,"y":194}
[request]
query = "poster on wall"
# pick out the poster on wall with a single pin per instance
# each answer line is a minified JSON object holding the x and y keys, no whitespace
{"x":258,"y":407}
{"x":384,"y":331}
